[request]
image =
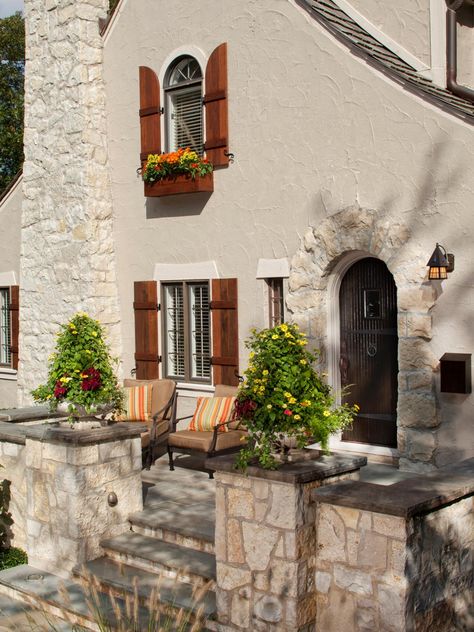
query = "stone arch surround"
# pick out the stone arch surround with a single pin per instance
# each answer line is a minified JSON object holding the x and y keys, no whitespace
{"x":315,"y":274}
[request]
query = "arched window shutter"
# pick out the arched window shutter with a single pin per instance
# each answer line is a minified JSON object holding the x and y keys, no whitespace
{"x":150,"y":113}
{"x":225,"y":332}
{"x":215,"y":100}
{"x":146,"y":330}
{"x":15,"y":324}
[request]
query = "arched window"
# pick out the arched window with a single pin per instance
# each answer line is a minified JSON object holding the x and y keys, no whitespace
{"x":184,"y":108}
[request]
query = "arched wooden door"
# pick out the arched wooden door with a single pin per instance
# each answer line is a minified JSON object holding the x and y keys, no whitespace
{"x":369,"y":349}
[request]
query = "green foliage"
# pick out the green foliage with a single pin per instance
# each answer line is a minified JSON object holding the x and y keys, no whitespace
{"x":12,"y":61}
{"x":284,"y":396}
{"x":12,"y":557}
{"x":181,"y":162}
{"x":80,"y":369}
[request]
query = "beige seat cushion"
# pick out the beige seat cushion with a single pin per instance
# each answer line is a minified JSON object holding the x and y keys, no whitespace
{"x":201,"y":441}
{"x":162,"y":392}
{"x":161,"y":429}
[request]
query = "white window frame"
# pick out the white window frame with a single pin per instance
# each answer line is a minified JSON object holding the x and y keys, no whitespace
{"x":190,"y":376}
{"x":170,"y":92}
{"x":5,"y":328}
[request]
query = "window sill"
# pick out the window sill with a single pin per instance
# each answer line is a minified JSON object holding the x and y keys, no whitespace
{"x":181,"y":184}
{"x":7,"y":373}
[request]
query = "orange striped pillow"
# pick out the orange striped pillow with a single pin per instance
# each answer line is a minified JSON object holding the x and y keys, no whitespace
{"x":137,"y":403}
{"x":212,"y":411}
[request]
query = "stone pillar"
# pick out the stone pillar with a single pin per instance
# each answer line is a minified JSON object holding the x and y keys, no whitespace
{"x":67,"y":248}
{"x":70,"y":474}
{"x":266,"y":541}
{"x":396,"y":558}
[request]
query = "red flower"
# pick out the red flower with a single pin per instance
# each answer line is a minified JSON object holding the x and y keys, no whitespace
{"x":93,"y":380}
{"x":287,"y":412}
{"x":59,"y":390}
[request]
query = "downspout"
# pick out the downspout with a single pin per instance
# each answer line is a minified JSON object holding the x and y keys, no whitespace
{"x":451,"y":50}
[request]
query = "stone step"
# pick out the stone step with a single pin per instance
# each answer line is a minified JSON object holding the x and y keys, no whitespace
{"x":191,"y":526}
{"x":168,"y":559}
{"x":122,"y":580}
{"x":111,"y":594}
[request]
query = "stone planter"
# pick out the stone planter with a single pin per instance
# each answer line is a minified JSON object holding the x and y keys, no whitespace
{"x":70,"y":474}
{"x":179,"y":185}
{"x":266,"y":539}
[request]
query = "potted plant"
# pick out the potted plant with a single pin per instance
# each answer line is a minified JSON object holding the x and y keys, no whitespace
{"x":283,"y":399}
{"x":81,"y":379}
{"x":181,"y":171}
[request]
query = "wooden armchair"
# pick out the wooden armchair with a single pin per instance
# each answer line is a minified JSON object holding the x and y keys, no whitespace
{"x":163,"y":408}
{"x":205,"y":444}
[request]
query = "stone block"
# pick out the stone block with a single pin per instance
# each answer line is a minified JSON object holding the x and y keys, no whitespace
{"x":391,"y":603}
{"x":240,"y":503}
{"x":259,"y":542}
{"x":260,"y":489}
{"x":235,"y":480}
{"x":33,"y":452}
{"x":420,"y":380}
{"x":323,"y":582}
{"x":353,"y":580}
{"x":54,"y":452}
{"x":235,"y":550}
{"x":269,"y":608}
{"x":11,"y":449}
{"x":83,"y":455}
{"x":331,"y":535}
{"x":390,"y":526}
{"x":114,"y":449}
{"x":349,"y":516}
{"x":240,"y":612}
{"x":372,"y":551}
{"x":283,"y":578}
{"x":419,"y":325}
{"x":285,"y":512}
{"x":420,"y":445}
{"x":414,"y":353}
{"x":221,"y":524}
{"x":232,"y":577}
{"x":417,"y":409}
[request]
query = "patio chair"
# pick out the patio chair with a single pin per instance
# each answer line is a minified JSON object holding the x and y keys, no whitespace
{"x":207,"y":443}
{"x":163,"y":416}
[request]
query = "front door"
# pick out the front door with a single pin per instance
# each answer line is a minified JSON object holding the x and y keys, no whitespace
{"x":369,"y":347}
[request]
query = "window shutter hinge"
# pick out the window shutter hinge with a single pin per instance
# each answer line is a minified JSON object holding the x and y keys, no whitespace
{"x":159,"y":359}
{"x":162,"y":110}
{"x":158,"y":307}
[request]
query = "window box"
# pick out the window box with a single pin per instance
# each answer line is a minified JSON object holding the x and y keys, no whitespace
{"x":180,"y":184}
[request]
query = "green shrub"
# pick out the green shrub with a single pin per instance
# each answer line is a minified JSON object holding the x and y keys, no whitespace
{"x":12,"y":557}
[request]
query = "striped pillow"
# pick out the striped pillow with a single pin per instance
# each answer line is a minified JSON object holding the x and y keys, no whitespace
{"x":137,"y":403}
{"x":212,"y":411}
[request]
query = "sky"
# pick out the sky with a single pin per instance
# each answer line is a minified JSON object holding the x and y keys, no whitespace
{"x":7,"y":7}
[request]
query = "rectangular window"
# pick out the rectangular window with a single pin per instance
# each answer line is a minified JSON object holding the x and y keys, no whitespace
{"x":275,"y":302}
{"x":5,"y":326}
{"x":186,"y":329}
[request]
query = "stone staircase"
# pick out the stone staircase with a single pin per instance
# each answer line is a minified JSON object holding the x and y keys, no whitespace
{"x":164,"y":563}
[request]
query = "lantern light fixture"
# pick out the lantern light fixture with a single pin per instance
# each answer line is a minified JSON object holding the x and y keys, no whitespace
{"x":440,"y":264}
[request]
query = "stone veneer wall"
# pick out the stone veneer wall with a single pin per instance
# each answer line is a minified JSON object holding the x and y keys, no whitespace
{"x":67,"y":249}
{"x":372,"y":235}
{"x":265,"y":549}
{"x":12,"y":460}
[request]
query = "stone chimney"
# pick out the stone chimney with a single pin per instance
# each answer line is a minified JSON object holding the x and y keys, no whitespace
{"x":67,"y":244}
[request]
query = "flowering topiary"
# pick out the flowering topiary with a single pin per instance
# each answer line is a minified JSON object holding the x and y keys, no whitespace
{"x":283,"y":396}
{"x":177,"y":163}
{"x":80,"y":369}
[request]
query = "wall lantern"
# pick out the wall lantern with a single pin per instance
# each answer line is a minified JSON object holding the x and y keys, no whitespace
{"x":440,"y":264}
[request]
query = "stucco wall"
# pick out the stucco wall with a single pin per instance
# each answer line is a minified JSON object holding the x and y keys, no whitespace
{"x":407,"y":22}
{"x":314,"y":130}
{"x":466,"y":46}
{"x":10,"y":221}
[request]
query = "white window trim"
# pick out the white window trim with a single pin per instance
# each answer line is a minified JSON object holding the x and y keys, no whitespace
{"x":273,"y":268}
{"x":8,"y":374}
{"x":8,"y":279}
{"x":182,"y":51}
{"x":205,"y":270}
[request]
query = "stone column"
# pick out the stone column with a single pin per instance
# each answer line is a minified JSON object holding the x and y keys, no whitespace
{"x":266,"y":541}
{"x":67,"y":248}
{"x":70,"y":474}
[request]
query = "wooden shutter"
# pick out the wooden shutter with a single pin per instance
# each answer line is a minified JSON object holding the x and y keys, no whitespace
{"x":215,"y":100}
{"x":225,"y":332}
{"x":150,"y":113}
{"x":146,"y":329}
{"x":15,"y":324}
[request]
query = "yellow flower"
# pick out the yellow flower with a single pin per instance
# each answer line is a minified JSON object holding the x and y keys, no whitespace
{"x":356,"y":407}
{"x":65,"y":380}
{"x":84,"y":376}
{"x":307,"y":402}
{"x":303,"y":362}
{"x":269,"y":406}
{"x":302,"y":342}
{"x":288,"y":335}
{"x":74,"y":333}
{"x":288,"y":395}
{"x":265,"y":372}
{"x":251,"y":354}
{"x":274,"y":337}
{"x":326,"y":413}
{"x":94,"y":333}
{"x":89,"y":351}
{"x":284,"y":327}
{"x":297,"y":417}
{"x":292,"y":400}
{"x":76,"y":371}
{"x":48,"y":396}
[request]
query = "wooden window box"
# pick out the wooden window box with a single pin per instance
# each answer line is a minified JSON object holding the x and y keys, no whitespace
{"x":180,"y":184}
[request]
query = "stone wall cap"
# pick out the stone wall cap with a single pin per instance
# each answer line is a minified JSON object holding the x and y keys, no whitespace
{"x":407,"y":498}
{"x":317,"y":468}
{"x":11,"y":433}
{"x":114,"y":432}
{"x":28,"y":413}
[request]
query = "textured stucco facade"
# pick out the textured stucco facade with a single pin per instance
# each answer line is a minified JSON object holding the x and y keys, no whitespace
{"x":315,"y":130}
